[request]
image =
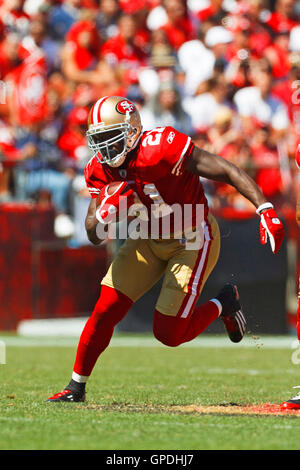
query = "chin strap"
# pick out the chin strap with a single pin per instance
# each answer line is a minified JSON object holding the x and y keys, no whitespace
{"x":135,"y":143}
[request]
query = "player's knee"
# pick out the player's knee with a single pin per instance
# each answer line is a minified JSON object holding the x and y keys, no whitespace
{"x":111,"y":307}
{"x":165,"y":330}
{"x":167,"y":339}
{"x":101,"y":318}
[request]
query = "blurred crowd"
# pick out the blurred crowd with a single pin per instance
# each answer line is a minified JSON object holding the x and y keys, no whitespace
{"x":225,"y":72}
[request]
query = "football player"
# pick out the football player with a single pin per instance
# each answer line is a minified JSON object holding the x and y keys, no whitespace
{"x":162,"y":167}
{"x":294,"y":402}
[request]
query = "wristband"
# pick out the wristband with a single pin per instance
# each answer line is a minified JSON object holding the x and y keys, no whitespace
{"x":262,"y":207}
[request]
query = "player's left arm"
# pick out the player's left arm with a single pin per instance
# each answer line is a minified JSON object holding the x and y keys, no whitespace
{"x":211,"y":166}
{"x":214,"y":167}
{"x":91,"y":223}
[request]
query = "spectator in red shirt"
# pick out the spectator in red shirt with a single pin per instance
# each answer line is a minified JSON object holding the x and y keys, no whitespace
{"x":240,"y":27}
{"x":283,"y":18}
{"x":9,"y":57}
{"x":132,"y":6}
{"x":266,"y":161}
{"x":138,"y":9}
{"x":254,"y":14}
{"x":81,"y":61}
{"x":257,"y":15}
{"x":214,"y":11}
{"x":179,"y":27}
{"x":239,"y":51}
{"x":277,"y":55}
{"x":288,"y":91}
{"x":83,"y":37}
{"x":123,"y":52}
{"x":72,"y":140}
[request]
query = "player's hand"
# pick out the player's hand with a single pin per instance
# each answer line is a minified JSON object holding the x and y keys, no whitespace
{"x":271,"y":228}
{"x":113,"y":203}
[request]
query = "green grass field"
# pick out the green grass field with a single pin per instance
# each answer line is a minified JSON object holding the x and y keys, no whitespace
{"x":141,"y":396}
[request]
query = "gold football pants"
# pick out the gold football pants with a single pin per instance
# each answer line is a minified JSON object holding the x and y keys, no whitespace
{"x":140,"y":263}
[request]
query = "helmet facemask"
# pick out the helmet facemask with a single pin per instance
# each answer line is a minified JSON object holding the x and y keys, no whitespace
{"x":111,"y":141}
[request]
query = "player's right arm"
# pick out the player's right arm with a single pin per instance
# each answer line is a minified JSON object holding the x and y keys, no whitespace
{"x":91,"y":223}
{"x":107,"y":208}
{"x":94,"y":183}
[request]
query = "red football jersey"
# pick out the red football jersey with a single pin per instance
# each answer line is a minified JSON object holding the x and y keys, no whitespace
{"x":156,"y":171}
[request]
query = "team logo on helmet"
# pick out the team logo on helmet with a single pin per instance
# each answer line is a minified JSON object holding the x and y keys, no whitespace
{"x":123,"y":106}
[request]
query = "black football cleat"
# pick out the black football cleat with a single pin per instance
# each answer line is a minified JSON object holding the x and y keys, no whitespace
{"x":232,"y":315}
{"x":67,"y":396}
{"x":292,"y":404}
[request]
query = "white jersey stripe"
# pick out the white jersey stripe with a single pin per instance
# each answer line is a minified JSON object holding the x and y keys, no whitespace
{"x":176,"y":168}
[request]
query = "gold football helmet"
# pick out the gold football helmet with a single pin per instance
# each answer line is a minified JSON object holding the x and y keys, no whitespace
{"x":114,"y":128}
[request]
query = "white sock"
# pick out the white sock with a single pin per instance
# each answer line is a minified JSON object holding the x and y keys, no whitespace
{"x":82,"y":379}
{"x":218,"y":304}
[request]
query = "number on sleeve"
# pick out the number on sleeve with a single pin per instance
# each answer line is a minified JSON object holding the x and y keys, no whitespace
{"x":153,"y":137}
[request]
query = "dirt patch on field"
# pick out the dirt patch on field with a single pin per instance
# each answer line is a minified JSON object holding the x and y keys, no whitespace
{"x":264,"y":409}
{"x":235,"y":409}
